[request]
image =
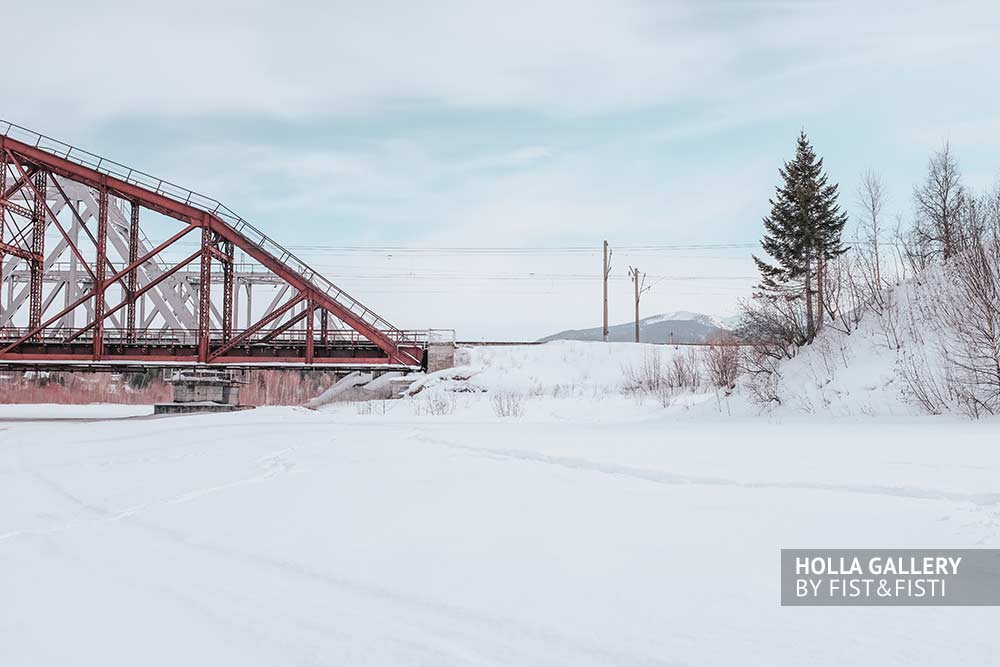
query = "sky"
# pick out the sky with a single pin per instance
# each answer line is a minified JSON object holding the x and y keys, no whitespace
{"x":375,"y":138}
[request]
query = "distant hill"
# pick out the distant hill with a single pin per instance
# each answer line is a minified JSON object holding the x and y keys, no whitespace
{"x":676,"y":327}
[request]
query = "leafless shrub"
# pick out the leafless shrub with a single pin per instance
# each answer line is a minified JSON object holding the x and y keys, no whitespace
{"x":561,"y":390}
{"x":760,"y":359}
{"x":536,"y":389}
{"x":661,"y":379}
{"x":436,"y":404}
{"x":375,"y":407}
{"x":922,"y":385}
{"x":507,"y":403}
{"x":721,"y":361}
{"x":959,"y":307}
{"x":774,"y":325}
{"x":684,"y":371}
{"x":855,"y":286}
{"x":805,"y":403}
{"x":914,"y":256}
{"x":761,"y":365}
{"x":972,"y":317}
{"x":763,"y":389}
{"x":889,"y":321}
{"x":649,"y":376}
{"x":664,"y":395}
{"x":823,"y":348}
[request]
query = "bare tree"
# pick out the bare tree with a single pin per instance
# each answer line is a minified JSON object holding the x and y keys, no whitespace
{"x":913,"y":255}
{"x":871,"y":201}
{"x":957,"y":366}
{"x":850,"y":291}
{"x":938,"y":204}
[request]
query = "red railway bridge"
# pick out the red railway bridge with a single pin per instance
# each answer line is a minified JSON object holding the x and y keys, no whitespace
{"x":82,"y":286}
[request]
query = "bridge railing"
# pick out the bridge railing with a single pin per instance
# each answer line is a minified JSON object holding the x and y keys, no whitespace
{"x":243,"y":270}
{"x":187,"y":338}
{"x":214,"y":207}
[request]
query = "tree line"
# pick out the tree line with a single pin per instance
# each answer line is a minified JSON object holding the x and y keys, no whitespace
{"x":947,"y":332}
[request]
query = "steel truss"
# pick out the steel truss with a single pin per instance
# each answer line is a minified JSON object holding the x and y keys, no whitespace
{"x":70,"y":228}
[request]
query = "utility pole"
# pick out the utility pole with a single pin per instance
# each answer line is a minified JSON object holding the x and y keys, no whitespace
{"x":640,"y":287}
{"x":607,"y":272}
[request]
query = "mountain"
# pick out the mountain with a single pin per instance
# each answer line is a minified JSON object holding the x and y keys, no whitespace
{"x":676,"y":327}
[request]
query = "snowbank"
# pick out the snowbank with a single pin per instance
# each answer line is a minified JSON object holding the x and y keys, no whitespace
{"x":840,"y":375}
{"x":893,"y":362}
{"x":557,"y":368}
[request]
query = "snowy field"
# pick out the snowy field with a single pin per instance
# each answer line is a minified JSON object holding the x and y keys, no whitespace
{"x":595,"y":529}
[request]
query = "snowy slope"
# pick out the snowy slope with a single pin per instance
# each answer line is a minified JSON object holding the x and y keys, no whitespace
{"x":843,"y":375}
{"x":858,"y":369}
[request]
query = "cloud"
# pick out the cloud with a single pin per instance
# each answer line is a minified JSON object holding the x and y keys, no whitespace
{"x":569,"y":57}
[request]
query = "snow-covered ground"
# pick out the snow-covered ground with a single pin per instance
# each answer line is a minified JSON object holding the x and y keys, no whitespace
{"x":594,"y":529}
{"x":45,"y":411}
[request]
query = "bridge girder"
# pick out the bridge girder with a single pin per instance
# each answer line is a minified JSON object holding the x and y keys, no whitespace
{"x":125,"y":299}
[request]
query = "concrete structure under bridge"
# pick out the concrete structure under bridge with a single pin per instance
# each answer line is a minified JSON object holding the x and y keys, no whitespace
{"x":203,"y":390}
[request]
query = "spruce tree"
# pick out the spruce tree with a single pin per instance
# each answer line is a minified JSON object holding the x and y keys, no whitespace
{"x":803,"y":233}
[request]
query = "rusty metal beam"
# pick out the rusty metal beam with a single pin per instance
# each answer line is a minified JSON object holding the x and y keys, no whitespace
{"x":100,"y":286}
{"x":228,"y":294}
{"x":37,"y":249}
{"x":89,"y":295}
{"x":278,"y":312}
{"x":221,"y":234}
{"x":133,"y":252}
{"x":145,"y":288}
{"x":19,"y":252}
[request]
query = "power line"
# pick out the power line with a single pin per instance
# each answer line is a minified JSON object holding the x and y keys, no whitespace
{"x":502,"y":250}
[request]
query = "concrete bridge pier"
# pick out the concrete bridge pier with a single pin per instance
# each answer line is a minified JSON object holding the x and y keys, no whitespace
{"x":203,"y":390}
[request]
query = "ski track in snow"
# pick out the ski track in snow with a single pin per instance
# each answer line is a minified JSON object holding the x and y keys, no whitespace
{"x":272,"y":465}
{"x":414,"y":611}
{"x":658,"y":477}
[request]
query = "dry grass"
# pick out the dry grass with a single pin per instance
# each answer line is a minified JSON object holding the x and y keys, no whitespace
{"x":263,"y":388}
{"x":79,"y":388}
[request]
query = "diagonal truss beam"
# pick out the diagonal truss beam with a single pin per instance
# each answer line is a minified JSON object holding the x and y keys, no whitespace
{"x":187,"y":207}
{"x":278,"y":312}
{"x":89,"y":295}
{"x":145,"y":288}
{"x":51,"y":214}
